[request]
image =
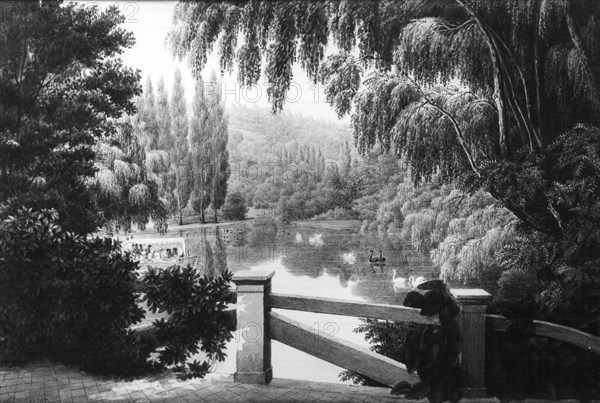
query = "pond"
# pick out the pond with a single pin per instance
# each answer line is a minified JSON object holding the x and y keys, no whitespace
{"x":311,"y":260}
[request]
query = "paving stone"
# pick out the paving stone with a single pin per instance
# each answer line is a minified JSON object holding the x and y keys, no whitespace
{"x":24,"y":387}
{"x":10,"y":382}
{"x":11,"y":375}
{"x":23,"y":394}
{"x":104,"y":387}
{"x":78,"y":392}
{"x":38,"y":390}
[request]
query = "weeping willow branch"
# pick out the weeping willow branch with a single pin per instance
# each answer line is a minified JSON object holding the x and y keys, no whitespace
{"x":459,"y":134}
{"x":448,"y":28}
{"x":580,"y":46}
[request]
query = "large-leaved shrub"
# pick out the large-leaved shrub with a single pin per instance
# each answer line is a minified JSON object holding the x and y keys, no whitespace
{"x":197,"y":320}
{"x":66,"y":298}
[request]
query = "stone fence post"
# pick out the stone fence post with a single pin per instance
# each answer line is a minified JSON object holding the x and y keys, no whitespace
{"x":253,"y":361}
{"x":473,"y":304}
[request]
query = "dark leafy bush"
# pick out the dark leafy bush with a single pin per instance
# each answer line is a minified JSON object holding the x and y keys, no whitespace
{"x":556,"y":196}
{"x":235,"y":207}
{"x":66,"y":298}
{"x":197,"y":317}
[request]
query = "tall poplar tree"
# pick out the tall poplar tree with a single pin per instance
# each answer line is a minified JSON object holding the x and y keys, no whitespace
{"x":179,"y":151}
{"x":200,"y":151}
{"x":219,"y":156}
{"x":147,"y":116}
{"x":163,"y":117}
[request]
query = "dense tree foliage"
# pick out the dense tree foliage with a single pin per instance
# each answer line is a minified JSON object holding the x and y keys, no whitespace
{"x":63,"y":91}
{"x":162,"y":125}
{"x":235,"y":207}
{"x":125,"y":190}
{"x":306,"y":170}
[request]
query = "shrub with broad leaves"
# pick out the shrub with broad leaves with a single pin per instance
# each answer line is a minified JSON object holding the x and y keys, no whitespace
{"x":197,"y":317}
{"x":66,"y":298}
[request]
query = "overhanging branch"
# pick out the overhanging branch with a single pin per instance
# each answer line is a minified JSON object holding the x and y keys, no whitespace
{"x":459,"y":134}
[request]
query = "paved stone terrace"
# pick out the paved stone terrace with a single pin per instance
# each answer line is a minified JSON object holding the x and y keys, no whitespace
{"x":59,"y":384}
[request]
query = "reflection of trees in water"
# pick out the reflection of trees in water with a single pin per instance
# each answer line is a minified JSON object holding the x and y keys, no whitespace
{"x":205,"y":260}
{"x":302,"y":260}
{"x":345,"y":274}
{"x":264,"y":239}
{"x":220,"y":252}
{"x":260,"y":232}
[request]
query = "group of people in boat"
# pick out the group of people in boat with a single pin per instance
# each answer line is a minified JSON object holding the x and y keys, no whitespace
{"x":154,"y":255}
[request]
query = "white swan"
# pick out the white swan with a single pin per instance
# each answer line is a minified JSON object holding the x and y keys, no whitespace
{"x":410,"y":282}
{"x":316,"y":240}
{"x":349,"y":258}
{"x":298,"y":237}
{"x":400,"y":282}
{"x":415,"y":282}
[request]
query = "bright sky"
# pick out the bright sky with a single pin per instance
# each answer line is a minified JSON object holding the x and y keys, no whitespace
{"x":151,"y":20}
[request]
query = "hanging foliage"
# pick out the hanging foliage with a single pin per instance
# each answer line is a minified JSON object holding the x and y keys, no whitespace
{"x":139,"y":195}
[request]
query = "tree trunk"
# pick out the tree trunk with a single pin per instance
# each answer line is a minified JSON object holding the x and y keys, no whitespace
{"x":201,"y":191}
{"x":497,"y":76}
{"x":537,"y":59}
{"x":179,"y":208}
{"x":177,"y":179}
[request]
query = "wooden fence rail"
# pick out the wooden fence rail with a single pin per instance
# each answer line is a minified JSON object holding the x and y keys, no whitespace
{"x":394,"y":313}
{"x":576,"y":337}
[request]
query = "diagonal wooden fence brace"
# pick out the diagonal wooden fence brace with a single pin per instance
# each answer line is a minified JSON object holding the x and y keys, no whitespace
{"x":338,"y":352}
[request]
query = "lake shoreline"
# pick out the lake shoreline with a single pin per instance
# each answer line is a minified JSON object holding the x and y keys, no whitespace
{"x":329,"y":224}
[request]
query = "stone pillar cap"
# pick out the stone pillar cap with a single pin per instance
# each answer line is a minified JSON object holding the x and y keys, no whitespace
{"x":249,"y":276}
{"x":470,"y":294}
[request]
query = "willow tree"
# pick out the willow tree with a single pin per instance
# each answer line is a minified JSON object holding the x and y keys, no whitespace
{"x":126,"y":190}
{"x":487,"y":92}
